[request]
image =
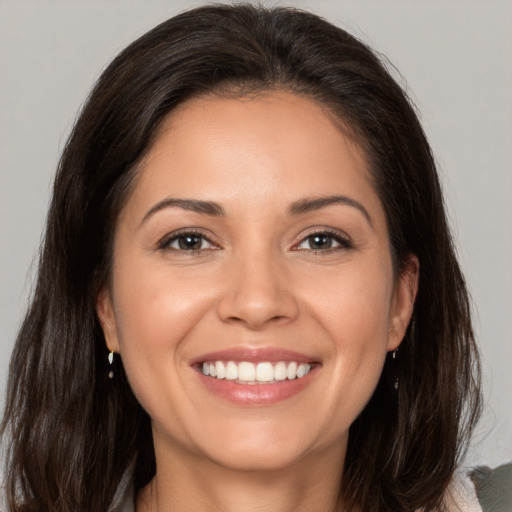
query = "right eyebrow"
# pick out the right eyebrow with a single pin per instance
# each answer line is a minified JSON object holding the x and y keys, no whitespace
{"x":195,"y":205}
{"x":316,"y":203}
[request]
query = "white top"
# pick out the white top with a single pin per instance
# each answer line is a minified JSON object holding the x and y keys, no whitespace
{"x":462,"y":496}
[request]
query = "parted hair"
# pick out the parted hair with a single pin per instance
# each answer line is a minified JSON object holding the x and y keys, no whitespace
{"x":70,"y":432}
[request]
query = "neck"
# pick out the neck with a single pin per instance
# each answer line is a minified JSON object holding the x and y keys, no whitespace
{"x":198,"y":485}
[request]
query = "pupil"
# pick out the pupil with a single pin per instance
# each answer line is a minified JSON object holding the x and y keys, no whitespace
{"x":190,"y":242}
{"x":320,"y":241}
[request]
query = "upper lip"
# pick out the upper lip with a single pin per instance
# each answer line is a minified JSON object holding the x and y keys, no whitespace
{"x":254,"y":355}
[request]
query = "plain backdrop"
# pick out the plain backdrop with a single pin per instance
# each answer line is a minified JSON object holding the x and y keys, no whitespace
{"x":455,"y":60}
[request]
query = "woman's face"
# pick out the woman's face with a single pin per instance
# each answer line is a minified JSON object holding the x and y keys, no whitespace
{"x":253,"y":247}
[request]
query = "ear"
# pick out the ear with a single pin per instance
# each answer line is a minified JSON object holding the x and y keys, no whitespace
{"x":404,"y":296}
{"x":105,"y":312}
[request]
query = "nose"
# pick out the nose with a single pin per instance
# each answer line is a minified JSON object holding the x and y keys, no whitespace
{"x":257,"y":292}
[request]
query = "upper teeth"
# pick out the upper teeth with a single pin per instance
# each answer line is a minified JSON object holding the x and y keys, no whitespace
{"x":259,"y":372}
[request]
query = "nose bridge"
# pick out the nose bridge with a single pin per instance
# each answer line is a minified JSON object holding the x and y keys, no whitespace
{"x":257,"y":288}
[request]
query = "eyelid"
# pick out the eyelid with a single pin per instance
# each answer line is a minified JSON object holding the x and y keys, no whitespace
{"x":339,"y":236}
{"x":344,"y":240}
{"x":164,"y":242}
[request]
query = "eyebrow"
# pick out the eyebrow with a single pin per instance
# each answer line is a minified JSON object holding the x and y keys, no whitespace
{"x":316,"y":203}
{"x":215,"y":209}
{"x":194,"y":205}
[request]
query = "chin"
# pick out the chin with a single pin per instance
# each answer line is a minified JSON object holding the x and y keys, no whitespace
{"x":257,"y":458}
{"x":261,"y":447}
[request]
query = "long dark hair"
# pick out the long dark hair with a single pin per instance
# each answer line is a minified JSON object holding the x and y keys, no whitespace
{"x":72,"y":431}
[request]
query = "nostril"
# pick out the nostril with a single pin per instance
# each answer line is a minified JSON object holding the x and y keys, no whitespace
{"x":256,"y":295}
{"x":256,"y":314}
{"x":256,"y":321}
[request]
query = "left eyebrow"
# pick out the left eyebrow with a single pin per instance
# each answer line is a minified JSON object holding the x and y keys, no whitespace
{"x":316,"y":203}
{"x":194,"y":205}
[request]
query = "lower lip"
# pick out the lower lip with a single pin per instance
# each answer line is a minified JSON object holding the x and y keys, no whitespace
{"x":256,"y":394}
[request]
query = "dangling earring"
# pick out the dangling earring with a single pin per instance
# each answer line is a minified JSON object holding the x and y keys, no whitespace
{"x":111,"y":364}
{"x":395,"y":383}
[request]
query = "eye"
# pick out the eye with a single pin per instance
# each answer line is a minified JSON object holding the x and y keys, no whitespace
{"x":323,"y":241}
{"x":187,"y":241}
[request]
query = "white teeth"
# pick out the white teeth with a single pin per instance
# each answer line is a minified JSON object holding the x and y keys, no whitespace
{"x":220,"y":369}
{"x":265,"y":372}
{"x":291,"y":371}
{"x":246,"y":371}
{"x":302,"y":370}
{"x":251,"y":373}
{"x":231,"y":371}
{"x":280,"y":371}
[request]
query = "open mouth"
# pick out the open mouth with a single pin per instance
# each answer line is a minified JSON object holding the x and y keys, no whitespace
{"x":265,"y":372}
{"x":250,"y":377}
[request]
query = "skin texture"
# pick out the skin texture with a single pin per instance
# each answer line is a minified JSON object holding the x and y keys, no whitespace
{"x":256,"y":282}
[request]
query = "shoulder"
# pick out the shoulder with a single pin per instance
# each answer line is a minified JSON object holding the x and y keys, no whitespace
{"x":481,"y":489}
{"x":124,"y":499}
{"x":461,"y":495}
{"x":493,"y":487}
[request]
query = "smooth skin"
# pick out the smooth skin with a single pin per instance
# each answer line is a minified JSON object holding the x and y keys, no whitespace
{"x":252,"y":271}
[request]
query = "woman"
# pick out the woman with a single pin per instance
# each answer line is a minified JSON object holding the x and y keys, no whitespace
{"x":248,"y":297}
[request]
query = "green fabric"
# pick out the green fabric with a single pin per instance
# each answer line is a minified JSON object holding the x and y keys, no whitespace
{"x":493,"y":487}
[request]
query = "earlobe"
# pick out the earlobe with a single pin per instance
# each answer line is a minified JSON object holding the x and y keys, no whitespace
{"x":406,"y":289}
{"x":105,"y":312}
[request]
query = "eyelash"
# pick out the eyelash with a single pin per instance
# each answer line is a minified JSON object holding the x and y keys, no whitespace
{"x":166,"y":242}
{"x":344,"y":242}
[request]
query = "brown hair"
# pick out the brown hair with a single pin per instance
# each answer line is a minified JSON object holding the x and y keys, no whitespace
{"x":72,"y":432}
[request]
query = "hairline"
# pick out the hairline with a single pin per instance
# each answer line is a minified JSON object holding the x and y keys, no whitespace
{"x":240,"y":89}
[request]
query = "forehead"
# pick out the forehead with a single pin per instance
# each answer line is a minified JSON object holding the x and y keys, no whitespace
{"x":270,"y":119}
{"x":251,"y":149}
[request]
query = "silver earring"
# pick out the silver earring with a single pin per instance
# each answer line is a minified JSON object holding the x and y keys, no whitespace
{"x":395,"y":384}
{"x":111,"y":364}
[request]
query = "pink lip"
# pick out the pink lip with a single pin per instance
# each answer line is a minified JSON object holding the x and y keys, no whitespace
{"x":254,"y":355}
{"x":255,"y":394}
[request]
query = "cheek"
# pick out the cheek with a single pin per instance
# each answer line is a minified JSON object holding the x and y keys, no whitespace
{"x":354,"y":312}
{"x":361,"y":330}
{"x":154,"y":314}
{"x":154,"y":307}
{"x":354,"y":305}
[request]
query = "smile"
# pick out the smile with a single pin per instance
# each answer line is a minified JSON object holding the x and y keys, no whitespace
{"x":246,"y":372}
{"x":263,"y":376}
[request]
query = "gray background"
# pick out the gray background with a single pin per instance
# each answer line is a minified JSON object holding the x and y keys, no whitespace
{"x":456,"y":58}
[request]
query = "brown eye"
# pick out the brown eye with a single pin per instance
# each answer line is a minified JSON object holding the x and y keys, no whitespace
{"x":187,"y":242}
{"x":320,"y":241}
{"x":324,"y":241}
{"x":190,"y":242}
